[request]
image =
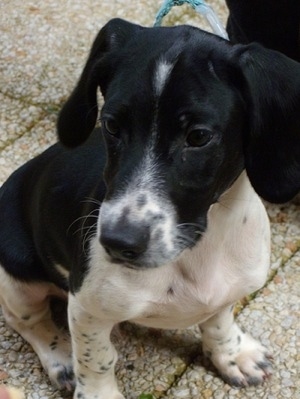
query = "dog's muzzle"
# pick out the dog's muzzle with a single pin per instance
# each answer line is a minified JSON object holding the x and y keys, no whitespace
{"x":143,"y":235}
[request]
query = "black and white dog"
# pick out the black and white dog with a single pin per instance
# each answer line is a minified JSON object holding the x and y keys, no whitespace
{"x":152,"y":218}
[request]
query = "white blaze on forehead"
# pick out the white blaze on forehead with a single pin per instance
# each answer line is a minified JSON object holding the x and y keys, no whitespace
{"x":161,"y":75}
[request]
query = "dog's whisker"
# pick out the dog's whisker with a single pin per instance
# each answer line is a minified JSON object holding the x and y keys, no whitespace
{"x":88,"y":236}
{"x":186,"y":240}
{"x":92,"y":201}
{"x":84,"y":218}
{"x":198,"y":225}
{"x":225,"y":206}
{"x":81,"y":229}
{"x":189,"y":240}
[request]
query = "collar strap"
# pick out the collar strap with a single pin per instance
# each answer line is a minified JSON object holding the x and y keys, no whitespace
{"x":198,"y":6}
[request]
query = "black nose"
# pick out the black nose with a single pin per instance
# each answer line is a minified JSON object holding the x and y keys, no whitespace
{"x":125,"y":243}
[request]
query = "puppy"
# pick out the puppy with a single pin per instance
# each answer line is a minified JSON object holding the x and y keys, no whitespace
{"x":152,"y":218}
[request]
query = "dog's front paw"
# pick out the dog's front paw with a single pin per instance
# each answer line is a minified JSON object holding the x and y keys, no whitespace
{"x":83,"y":392}
{"x":242,"y":363}
{"x":62,"y":376}
{"x":57,"y":361}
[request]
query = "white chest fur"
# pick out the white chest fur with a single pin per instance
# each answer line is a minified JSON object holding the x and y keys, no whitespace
{"x":230,"y":261}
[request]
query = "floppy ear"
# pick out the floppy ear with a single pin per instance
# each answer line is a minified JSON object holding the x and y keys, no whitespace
{"x":272,"y":143}
{"x":78,"y":116}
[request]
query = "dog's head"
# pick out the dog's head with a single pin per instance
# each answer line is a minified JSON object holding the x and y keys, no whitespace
{"x":185,"y":112}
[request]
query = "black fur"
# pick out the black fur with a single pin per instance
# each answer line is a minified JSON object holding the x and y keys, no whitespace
{"x":273,"y":23}
{"x":276,"y":25}
{"x":40,"y":207}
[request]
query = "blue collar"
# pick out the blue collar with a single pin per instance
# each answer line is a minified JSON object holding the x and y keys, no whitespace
{"x":199,"y":6}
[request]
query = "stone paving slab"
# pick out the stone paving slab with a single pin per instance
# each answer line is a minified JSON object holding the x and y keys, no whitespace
{"x":16,"y":119}
{"x":30,"y":144}
{"x":43,"y":46}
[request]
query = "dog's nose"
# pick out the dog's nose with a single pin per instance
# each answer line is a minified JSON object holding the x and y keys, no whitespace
{"x":125,"y":243}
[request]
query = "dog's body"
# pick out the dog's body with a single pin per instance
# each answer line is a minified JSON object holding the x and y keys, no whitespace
{"x":175,"y":233}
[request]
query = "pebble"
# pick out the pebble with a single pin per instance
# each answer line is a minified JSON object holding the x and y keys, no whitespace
{"x":12,"y":356}
{"x":182,"y":393}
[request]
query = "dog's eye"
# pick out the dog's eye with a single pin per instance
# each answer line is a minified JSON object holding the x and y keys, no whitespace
{"x":198,"y":137}
{"x":111,"y":126}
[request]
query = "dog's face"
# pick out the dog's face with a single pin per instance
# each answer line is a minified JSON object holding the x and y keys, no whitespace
{"x":173,"y":137}
{"x":178,"y":117}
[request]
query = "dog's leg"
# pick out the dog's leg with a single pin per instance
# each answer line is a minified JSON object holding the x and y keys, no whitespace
{"x":238,"y":357}
{"x":94,"y":356}
{"x":26,"y":309}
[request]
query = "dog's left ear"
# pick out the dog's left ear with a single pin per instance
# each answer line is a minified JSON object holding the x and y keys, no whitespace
{"x":78,"y":116}
{"x":272,"y":144}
